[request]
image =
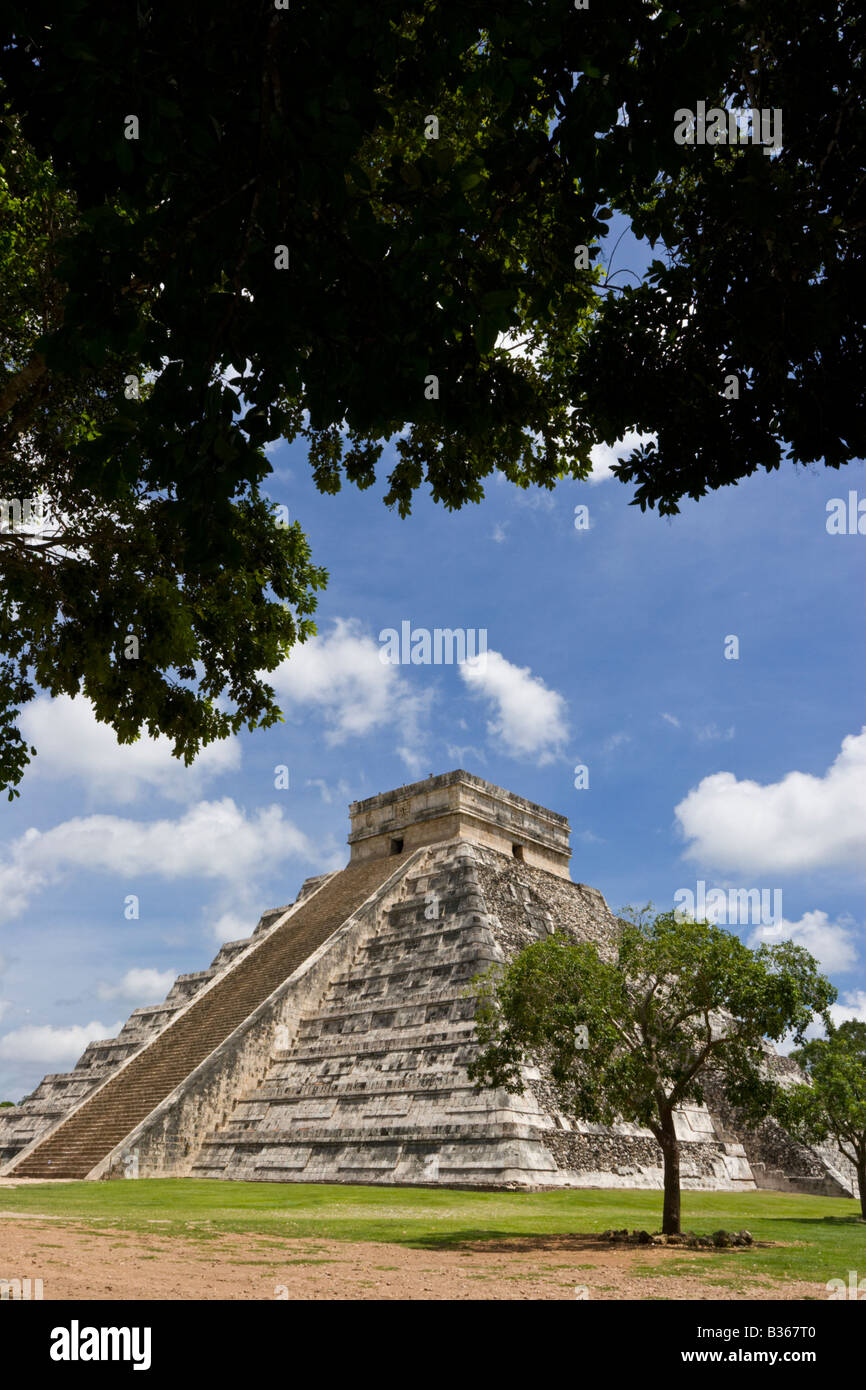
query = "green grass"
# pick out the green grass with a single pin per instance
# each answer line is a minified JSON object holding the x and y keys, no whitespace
{"x":816,"y":1238}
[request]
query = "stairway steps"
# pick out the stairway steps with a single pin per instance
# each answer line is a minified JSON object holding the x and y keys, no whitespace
{"x":78,"y":1143}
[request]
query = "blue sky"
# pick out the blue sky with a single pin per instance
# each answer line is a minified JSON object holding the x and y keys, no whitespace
{"x":605,"y":648}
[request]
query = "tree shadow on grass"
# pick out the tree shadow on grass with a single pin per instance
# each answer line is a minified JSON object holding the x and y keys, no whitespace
{"x":507,"y":1243}
{"x":476,"y":1240}
{"x":814,"y":1223}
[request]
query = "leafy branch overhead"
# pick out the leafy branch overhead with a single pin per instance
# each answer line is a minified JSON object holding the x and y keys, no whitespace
{"x":362,"y":211}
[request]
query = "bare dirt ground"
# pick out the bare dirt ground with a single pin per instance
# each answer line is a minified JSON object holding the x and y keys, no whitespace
{"x":82,"y":1262}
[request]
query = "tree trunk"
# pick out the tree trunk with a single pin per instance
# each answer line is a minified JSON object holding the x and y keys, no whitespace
{"x":861,"y":1183}
{"x":671,"y":1152}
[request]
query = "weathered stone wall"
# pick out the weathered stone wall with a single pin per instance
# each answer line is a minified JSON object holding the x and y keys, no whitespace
{"x":777,"y":1160}
{"x":459,"y":806}
{"x":355,"y":1068}
{"x":375,"y":1087}
{"x":527,"y":905}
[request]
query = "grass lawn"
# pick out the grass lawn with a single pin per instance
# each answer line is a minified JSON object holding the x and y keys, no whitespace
{"x":817,"y":1238}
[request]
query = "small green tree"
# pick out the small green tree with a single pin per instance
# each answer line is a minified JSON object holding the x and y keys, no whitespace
{"x":632,"y":1034}
{"x":833,"y":1105}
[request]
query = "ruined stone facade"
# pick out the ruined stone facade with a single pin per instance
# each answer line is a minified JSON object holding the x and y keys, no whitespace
{"x":350,"y":1066}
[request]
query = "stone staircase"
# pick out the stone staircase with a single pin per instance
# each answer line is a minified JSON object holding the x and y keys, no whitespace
{"x":60,"y":1092}
{"x":375,"y":1087}
{"x":98,"y":1124}
{"x":334,"y":1044}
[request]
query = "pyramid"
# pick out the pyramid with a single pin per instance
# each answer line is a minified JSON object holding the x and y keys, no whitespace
{"x":332,"y":1044}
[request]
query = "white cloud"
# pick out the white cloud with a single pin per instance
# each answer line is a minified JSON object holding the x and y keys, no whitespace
{"x":464,"y":755}
{"x":323,"y":787}
{"x":72,"y":743}
{"x":711,"y":733}
{"x":5,"y":1006}
{"x":140,"y":985}
{"x":498,"y":533}
{"x":535,"y":499}
{"x":587,"y":837}
{"x":232,"y":925}
{"x":342,"y":791}
{"x":341,"y":677}
{"x":831,"y":943}
{"x":853,"y":1009}
{"x":604,"y":456}
{"x":671,"y":719}
{"x":49,"y":1044}
{"x":615,"y":741}
{"x":212,"y":840}
{"x":800,"y":823}
{"x":528,"y":718}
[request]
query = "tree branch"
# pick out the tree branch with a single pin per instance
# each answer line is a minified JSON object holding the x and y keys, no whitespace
{"x":21,"y":381}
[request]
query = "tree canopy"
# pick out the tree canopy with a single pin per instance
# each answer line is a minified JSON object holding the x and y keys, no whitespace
{"x":389,"y":220}
{"x":833,"y":1103}
{"x":632,"y":1033}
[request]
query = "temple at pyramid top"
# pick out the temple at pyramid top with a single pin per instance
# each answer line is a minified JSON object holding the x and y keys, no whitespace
{"x":458,"y":805}
{"x":334,"y":1044}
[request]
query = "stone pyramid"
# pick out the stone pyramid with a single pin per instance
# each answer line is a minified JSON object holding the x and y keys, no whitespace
{"x":332,"y":1045}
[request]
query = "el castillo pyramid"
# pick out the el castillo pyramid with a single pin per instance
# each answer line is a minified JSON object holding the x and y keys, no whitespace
{"x":332,"y":1044}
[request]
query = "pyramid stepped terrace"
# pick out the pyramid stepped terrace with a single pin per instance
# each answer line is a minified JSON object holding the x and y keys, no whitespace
{"x":332,"y":1045}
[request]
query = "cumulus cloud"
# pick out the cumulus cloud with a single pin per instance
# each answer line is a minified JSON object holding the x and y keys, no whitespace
{"x":72,"y":743}
{"x":831,"y":943}
{"x":139,"y":985}
{"x":212,"y":840}
{"x":604,"y":456}
{"x":852,"y":1009}
{"x":671,"y":719}
{"x":236,"y":909}
{"x":341,"y":678}
{"x":800,"y":823}
{"x":234,"y":924}
{"x":528,"y":719}
{"x":49,"y":1044}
